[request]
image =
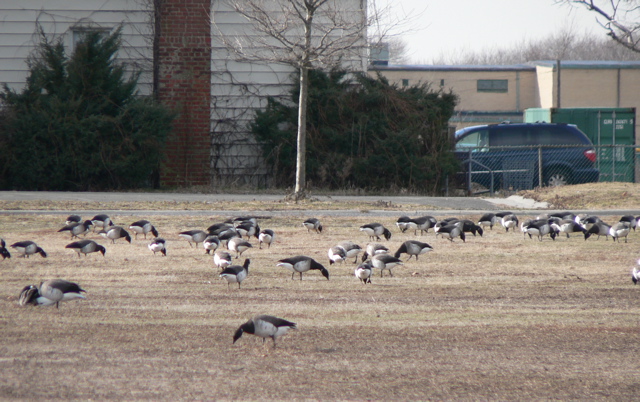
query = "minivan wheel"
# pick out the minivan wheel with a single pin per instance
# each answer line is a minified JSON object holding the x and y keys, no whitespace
{"x":557,"y":178}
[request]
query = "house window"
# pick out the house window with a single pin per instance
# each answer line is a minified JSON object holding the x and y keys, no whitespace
{"x":493,"y":85}
{"x":442,"y":82}
{"x":405,"y":82}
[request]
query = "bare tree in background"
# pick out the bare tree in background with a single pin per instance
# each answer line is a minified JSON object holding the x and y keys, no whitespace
{"x":304,"y":34}
{"x":620,"y":18}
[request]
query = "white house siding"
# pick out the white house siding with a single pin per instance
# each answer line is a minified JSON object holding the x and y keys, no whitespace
{"x":20,"y":22}
{"x":239,"y":89}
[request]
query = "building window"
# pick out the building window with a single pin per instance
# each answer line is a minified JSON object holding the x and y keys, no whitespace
{"x":405,"y":82}
{"x":493,"y":85}
{"x":442,"y":82}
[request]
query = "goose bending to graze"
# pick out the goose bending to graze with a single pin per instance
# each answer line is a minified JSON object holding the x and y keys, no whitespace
{"x":239,"y":246}
{"x":77,"y":228}
{"x":373,"y":249}
{"x":313,"y":224}
{"x":265,"y":326}
{"x":222,"y":259}
{"x":218,"y":228}
{"x":541,"y":228}
{"x":452,"y":231}
{"x":143,"y":227}
{"x":413,"y":248}
{"x":302,"y":264}
{"x":27,"y":248}
{"x":488,"y":219}
{"x":402,"y":223}
{"x":469,"y":227}
{"x":635,"y":275}
{"x":3,"y":250}
{"x":351,"y":249}
{"x":73,"y":219}
{"x":210,"y":243}
{"x":376,"y":230}
{"x":227,"y":235}
{"x":196,"y":236}
{"x":364,"y":271}
{"x":51,"y":292}
{"x":569,"y":226}
{"x":114,"y":233}
{"x":85,"y":247}
{"x":619,"y":230}
{"x":248,"y":229}
{"x":101,"y":221}
{"x":266,"y":236}
{"x":158,"y":245}
{"x":236,"y":273}
{"x":336,"y":254}
{"x":385,"y":261}
{"x":598,"y":228}
{"x":422,"y":223}
{"x":510,"y":222}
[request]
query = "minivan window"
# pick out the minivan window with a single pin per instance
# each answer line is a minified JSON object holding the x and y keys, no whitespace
{"x":512,"y":136}
{"x":475,"y":140}
{"x":556,"y":136}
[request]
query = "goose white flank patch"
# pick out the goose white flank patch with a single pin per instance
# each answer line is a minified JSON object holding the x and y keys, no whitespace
{"x":211,"y":243}
{"x":3,"y":250}
{"x":313,"y":224}
{"x":27,"y":248}
{"x":158,"y":245}
{"x":51,"y":292}
{"x":222,"y":258}
{"x":364,"y":271}
{"x":85,"y":247}
{"x":635,"y":275}
{"x":336,"y":254}
{"x":238,"y":246}
{"x":77,"y":228}
{"x":265,"y":326}
{"x":114,"y":233}
{"x":385,"y":262}
{"x":236,"y":273}
{"x":619,"y":230}
{"x":266,"y":236}
{"x":302,"y":264}
{"x":413,"y":248}
{"x":194,"y":236}
{"x":101,"y":221}
{"x":143,"y":227}
{"x":375,"y":230}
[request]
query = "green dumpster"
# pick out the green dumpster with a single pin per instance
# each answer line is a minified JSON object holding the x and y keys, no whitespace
{"x":612,"y":130}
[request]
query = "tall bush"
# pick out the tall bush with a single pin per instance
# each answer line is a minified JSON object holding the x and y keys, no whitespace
{"x":79,"y":123}
{"x":363,"y":132}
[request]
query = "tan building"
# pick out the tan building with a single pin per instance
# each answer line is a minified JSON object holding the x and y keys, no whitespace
{"x":492,"y":94}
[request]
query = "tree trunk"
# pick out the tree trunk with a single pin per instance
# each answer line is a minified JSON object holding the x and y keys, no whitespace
{"x":299,"y":192}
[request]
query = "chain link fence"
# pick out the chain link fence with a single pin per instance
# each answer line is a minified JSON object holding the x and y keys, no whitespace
{"x":525,"y":167}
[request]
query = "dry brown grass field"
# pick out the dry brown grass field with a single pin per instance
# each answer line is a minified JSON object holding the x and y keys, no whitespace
{"x":498,"y":317}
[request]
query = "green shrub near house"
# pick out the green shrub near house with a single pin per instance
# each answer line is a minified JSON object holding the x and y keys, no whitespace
{"x":79,"y":124}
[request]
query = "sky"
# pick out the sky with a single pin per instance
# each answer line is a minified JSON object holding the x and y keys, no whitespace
{"x":442,"y":27}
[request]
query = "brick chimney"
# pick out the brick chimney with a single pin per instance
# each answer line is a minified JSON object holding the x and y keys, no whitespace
{"x":184,"y":85}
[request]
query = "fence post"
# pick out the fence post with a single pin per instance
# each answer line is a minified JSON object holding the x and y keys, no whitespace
{"x":540,"y":175}
{"x":469,"y":171}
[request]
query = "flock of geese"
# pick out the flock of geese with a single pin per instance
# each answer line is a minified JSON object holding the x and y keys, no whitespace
{"x":230,"y":239}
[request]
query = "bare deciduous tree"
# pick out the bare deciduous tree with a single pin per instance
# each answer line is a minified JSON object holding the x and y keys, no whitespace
{"x":620,"y":18}
{"x":304,"y":34}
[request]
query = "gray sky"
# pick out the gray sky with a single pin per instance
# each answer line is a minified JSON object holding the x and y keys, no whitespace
{"x":442,"y":27}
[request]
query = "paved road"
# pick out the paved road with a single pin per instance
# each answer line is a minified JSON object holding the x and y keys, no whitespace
{"x":432,"y":205}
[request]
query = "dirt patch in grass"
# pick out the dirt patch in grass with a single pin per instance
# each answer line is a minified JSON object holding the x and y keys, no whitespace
{"x":500,"y":317}
{"x":588,"y":196}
